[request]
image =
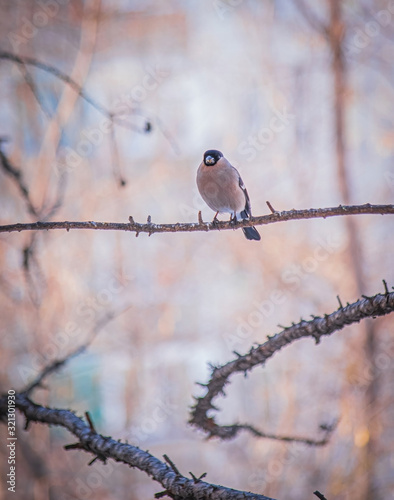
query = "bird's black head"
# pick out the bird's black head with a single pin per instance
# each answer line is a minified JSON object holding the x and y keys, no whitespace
{"x":212,"y":156}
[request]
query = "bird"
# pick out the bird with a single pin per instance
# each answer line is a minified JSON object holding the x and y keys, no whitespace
{"x":223,"y":190}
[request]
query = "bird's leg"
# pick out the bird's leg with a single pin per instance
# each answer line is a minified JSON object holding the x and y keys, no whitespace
{"x":215,"y":219}
{"x":233,"y":218}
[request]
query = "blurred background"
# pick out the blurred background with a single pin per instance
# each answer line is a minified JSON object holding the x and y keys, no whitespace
{"x":299,"y":97}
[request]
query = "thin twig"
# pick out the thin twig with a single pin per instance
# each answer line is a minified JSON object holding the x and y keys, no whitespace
{"x":17,"y":176}
{"x":90,"y":421}
{"x":32,"y":271}
{"x":32,"y":86}
{"x":49,"y":210}
{"x":115,"y":159}
{"x":56,"y":364}
{"x":171,"y":464}
{"x":51,"y":368}
{"x":319,"y":495}
{"x":271,"y":208}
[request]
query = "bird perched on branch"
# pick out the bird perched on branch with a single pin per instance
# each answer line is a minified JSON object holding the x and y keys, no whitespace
{"x":223,"y":190}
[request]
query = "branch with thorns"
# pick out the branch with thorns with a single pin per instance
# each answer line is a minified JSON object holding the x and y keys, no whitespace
{"x":151,"y":228}
{"x":166,"y":473}
{"x":367,"y":307}
{"x":102,"y":447}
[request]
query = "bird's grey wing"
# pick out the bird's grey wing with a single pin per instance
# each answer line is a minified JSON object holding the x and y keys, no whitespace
{"x":248,"y":208}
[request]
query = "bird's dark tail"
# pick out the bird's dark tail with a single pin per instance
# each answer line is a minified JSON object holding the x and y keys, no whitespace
{"x":251,"y":233}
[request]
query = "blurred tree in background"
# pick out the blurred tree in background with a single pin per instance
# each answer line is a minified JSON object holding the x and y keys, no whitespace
{"x":299,"y":96}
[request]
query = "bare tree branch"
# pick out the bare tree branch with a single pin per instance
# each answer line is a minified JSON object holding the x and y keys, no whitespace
{"x":104,"y":447}
{"x":32,"y":271}
{"x":23,"y":61}
{"x":29,"y":260}
{"x":48,"y":210}
{"x":58,"y":363}
{"x":32,"y":86}
{"x":16,"y":175}
{"x":378,"y":305}
{"x":117,"y":170}
{"x":176,"y":485}
{"x":52,"y":368}
{"x":150,"y":228}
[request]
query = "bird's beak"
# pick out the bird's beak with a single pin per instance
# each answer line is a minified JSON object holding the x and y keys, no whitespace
{"x":209,"y":160}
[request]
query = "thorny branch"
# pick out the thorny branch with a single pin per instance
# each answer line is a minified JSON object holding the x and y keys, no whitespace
{"x":150,"y":228}
{"x":102,"y":447}
{"x":166,"y":473}
{"x":378,"y":305}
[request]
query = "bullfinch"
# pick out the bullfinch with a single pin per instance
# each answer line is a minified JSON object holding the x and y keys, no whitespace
{"x":223,"y":190}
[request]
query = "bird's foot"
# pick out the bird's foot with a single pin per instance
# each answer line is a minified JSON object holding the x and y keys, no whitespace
{"x":215,"y":220}
{"x":233,"y":219}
